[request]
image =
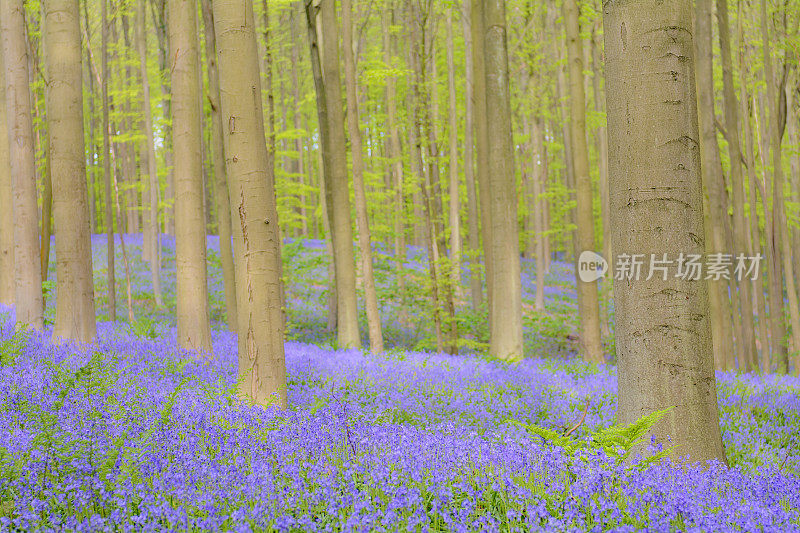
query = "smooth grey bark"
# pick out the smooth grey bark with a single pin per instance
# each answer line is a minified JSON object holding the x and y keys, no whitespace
{"x":75,"y":318}
{"x":221,"y":199}
{"x":262,"y":367}
{"x":6,"y":201}
{"x":588,"y":304}
{"x":505,"y":305}
{"x":747,"y":331}
{"x":473,"y":216}
{"x":664,"y":351}
{"x":27,"y":268}
{"x":149,"y":169}
{"x":362,"y":217}
{"x":194,"y":331}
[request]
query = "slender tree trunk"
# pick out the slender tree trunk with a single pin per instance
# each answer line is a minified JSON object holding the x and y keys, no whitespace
{"x":75,"y":318}
{"x":334,"y":158}
{"x":396,"y":156}
{"x":221,"y":181}
{"x":747,"y":332}
{"x":473,"y":217}
{"x":262,"y":368}
{"x":540,"y":177}
{"x":298,"y":165}
{"x":148,"y":167}
{"x":722,"y":335}
{"x":663,"y":338}
{"x":6,"y":199}
{"x":27,"y":266}
{"x":109,"y":206}
{"x":194,"y":331}
{"x":781,"y":258}
{"x":601,"y":144}
{"x":424,"y":173}
{"x":588,"y":302}
{"x":362,"y":219}
{"x":505,"y":304}
{"x":755,"y":234}
{"x":481,"y":140}
{"x":46,"y":230}
{"x":455,"y":194}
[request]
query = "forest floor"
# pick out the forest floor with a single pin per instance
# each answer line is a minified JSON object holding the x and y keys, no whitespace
{"x":134,"y":434}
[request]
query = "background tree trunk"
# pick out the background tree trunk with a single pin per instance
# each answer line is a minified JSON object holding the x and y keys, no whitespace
{"x":194,"y":332}
{"x":505,"y":304}
{"x":75,"y":317}
{"x":473,"y":216}
{"x":362,"y":219}
{"x":148,"y":167}
{"x":6,"y":200}
{"x":722,"y":335}
{"x":222,"y":201}
{"x":747,"y":332}
{"x":587,"y":300}
{"x":27,"y":266}
{"x":336,"y":186}
{"x":109,"y":205}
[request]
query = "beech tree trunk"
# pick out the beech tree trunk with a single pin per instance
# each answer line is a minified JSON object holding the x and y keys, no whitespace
{"x":747,"y":332}
{"x":148,"y":167}
{"x":505,"y":304}
{"x":194,"y":331}
{"x":722,"y":334}
{"x":75,"y":319}
{"x":362,"y":219}
{"x":396,"y":156}
{"x":664,"y":351}
{"x":109,"y":205}
{"x":781,"y":250}
{"x":27,"y":267}
{"x":334,"y":159}
{"x":6,"y":200}
{"x":473,"y":216}
{"x":454,"y":187}
{"x":588,"y":304}
{"x":222,"y":201}
{"x":601,"y":144}
{"x":481,"y":141}
{"x":262,"y":368}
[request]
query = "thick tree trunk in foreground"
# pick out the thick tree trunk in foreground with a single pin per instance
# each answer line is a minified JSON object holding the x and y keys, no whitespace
{"x":194,"y":332}
{"x":505,"y":305}
{"x":663,"y":338}
{"x":75,"y":317}
{"x":27,"y":267}
{"x":221,"y":198}
{"x":362,"y":218}
{"x":588,"y":302}
{"x":6,"y":201}
{"x":262,"y":369}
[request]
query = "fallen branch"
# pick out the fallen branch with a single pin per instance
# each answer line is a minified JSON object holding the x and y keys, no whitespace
{"x":580,"y":422}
